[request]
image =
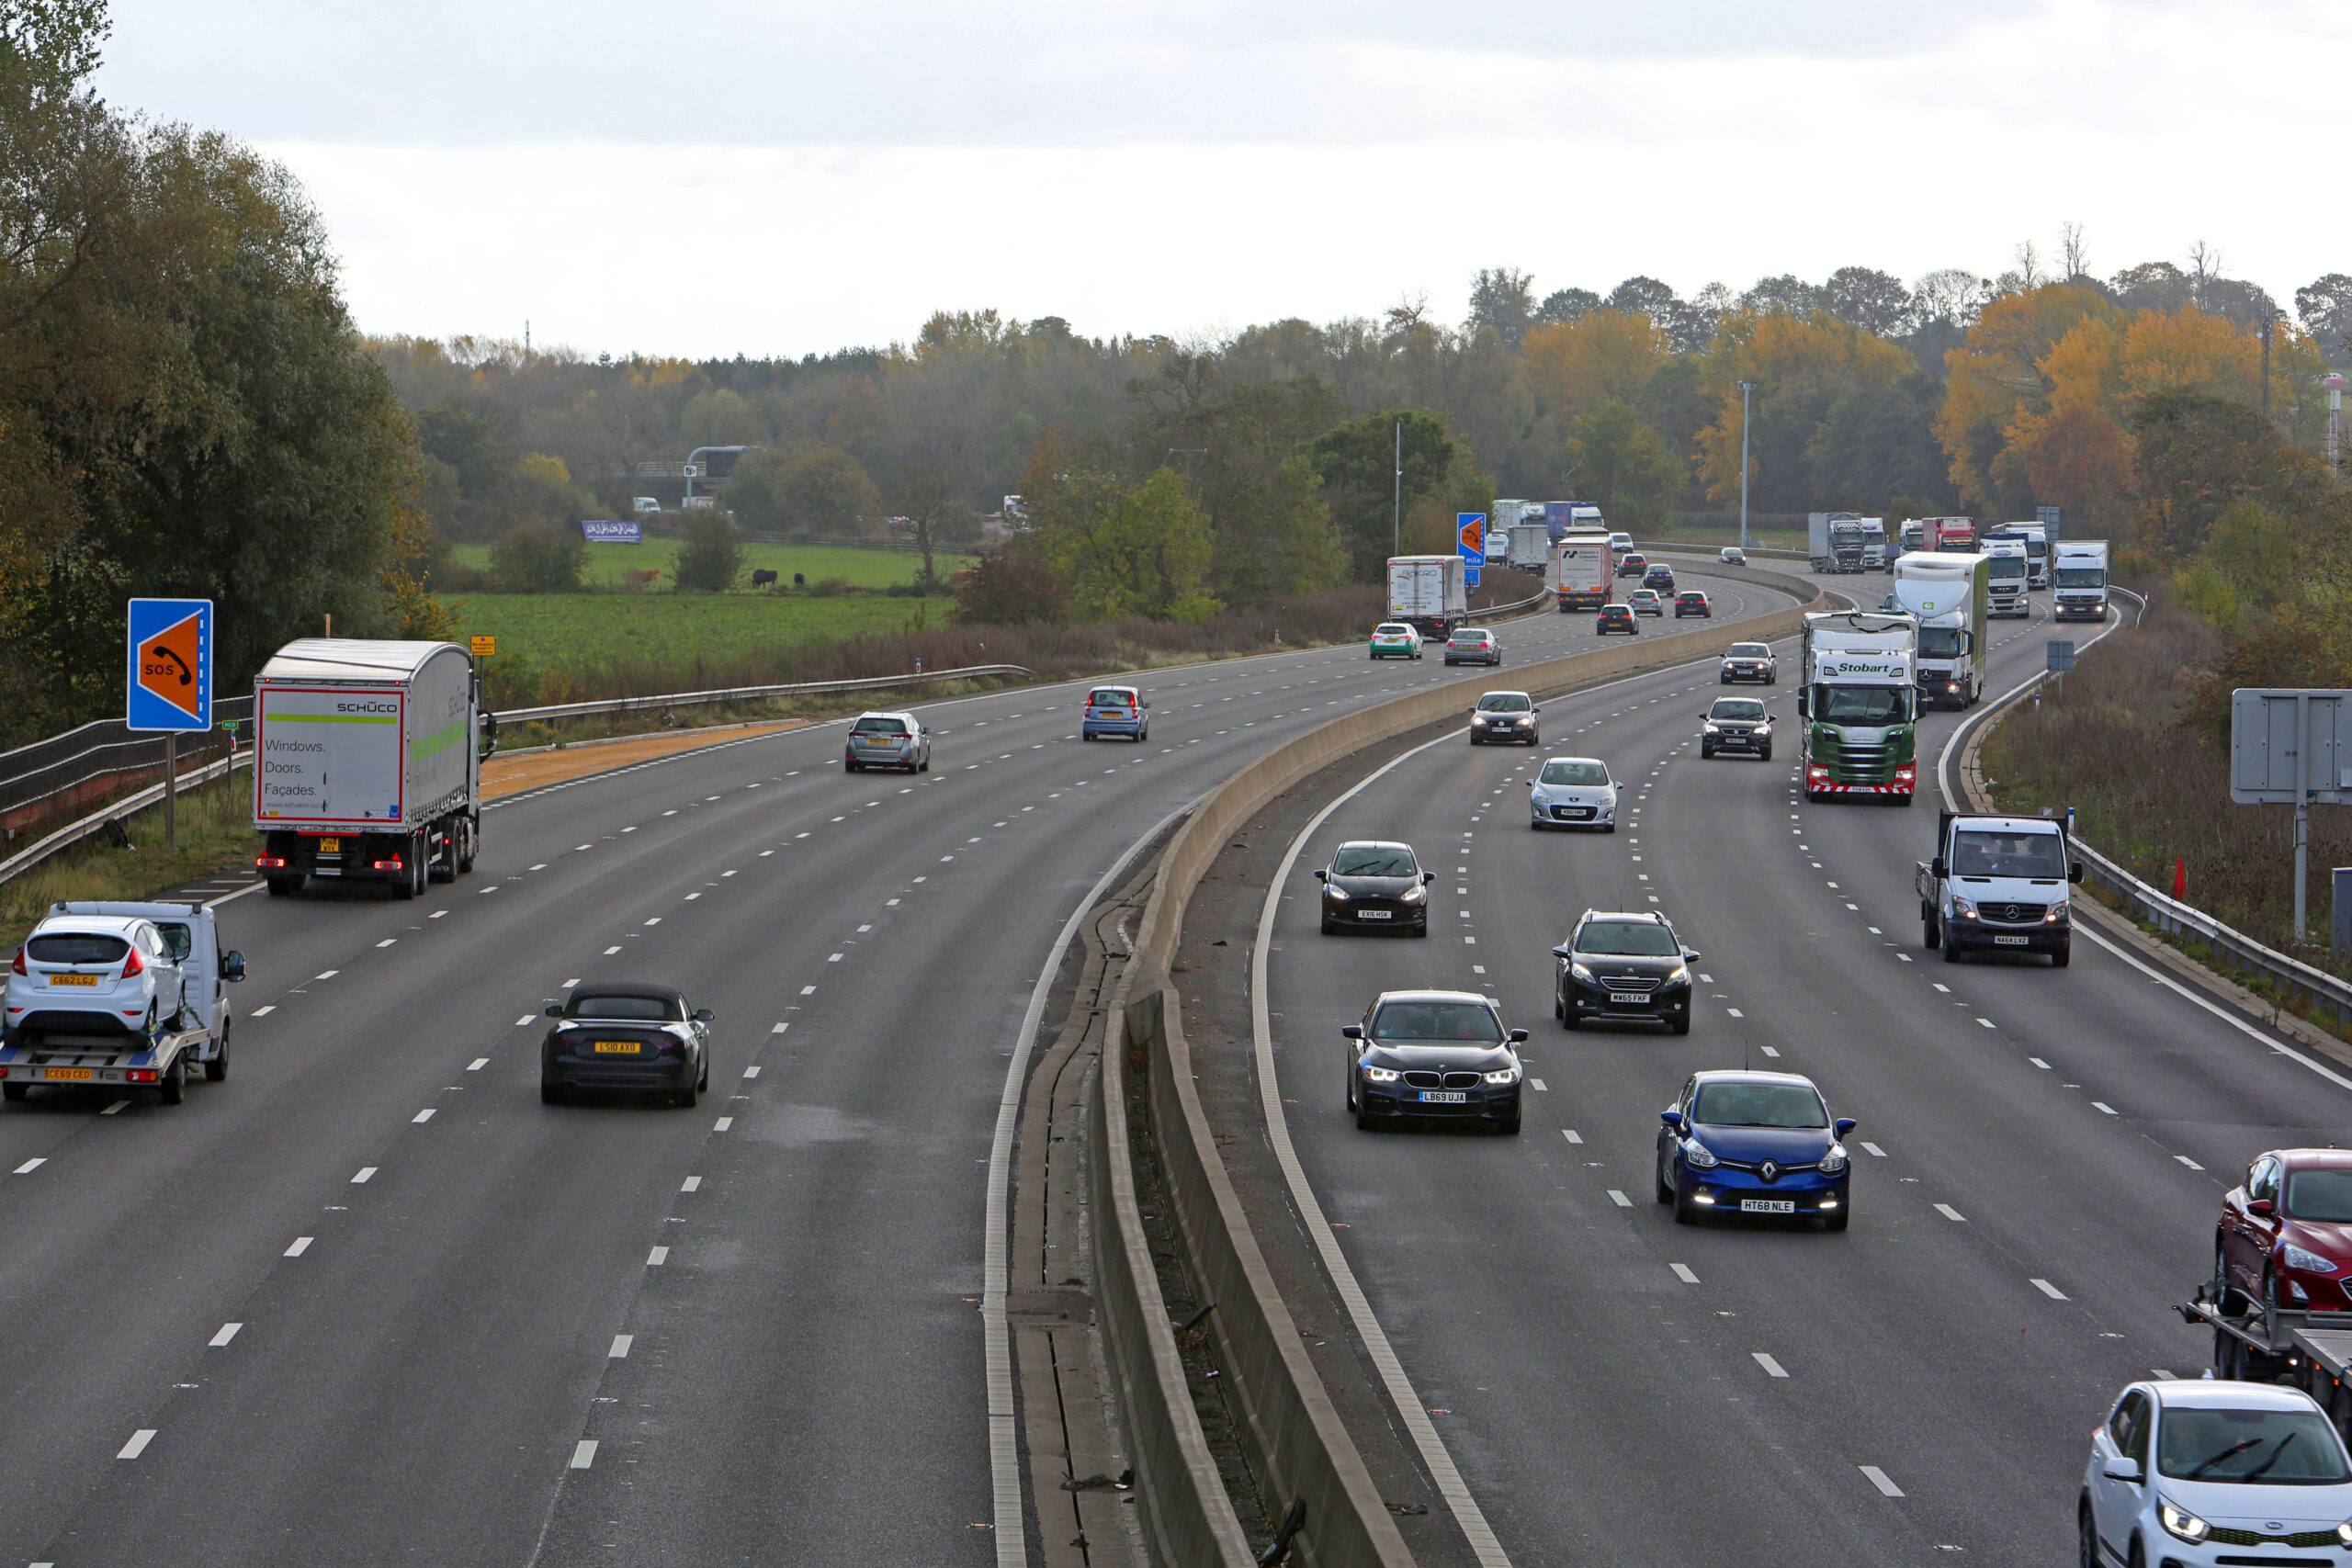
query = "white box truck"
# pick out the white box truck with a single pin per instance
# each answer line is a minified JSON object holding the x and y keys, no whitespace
{"x":1426,"y":592}
{"x":2079,"y":580}
{"x":1949,"y":596}
{"x":1583,"y":564}
{"x":368,"y":763}
{"x":1531,"y":546}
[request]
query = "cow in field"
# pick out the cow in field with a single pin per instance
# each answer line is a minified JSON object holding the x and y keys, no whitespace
{"x":762,"y":579}
{"x":650,"y":575}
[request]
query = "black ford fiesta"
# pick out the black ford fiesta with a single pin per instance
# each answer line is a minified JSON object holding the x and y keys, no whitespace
{"x":1371,"y":885}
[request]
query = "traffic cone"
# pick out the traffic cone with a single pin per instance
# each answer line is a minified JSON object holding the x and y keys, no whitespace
{"x":2180,"y":879}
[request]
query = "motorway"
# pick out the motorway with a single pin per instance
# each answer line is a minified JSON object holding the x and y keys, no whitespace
{"x":2039,"y":1162}
{"x":369,"y":1301}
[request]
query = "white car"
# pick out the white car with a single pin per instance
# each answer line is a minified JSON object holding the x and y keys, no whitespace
{"x":1573,"y":792}
{"x":2215,"y":1471}
{"x":1394,"y":639}
{"x":104,"y":974}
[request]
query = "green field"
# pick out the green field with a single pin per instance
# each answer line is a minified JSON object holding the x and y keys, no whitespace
{"x":591,"y":631}
{"x":608,"y":564}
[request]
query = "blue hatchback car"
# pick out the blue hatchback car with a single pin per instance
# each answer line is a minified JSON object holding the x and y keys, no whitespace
{"x":1750,"y":1142}
{"x":1116,"y":710}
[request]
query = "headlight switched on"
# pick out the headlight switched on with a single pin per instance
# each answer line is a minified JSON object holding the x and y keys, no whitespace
{"x":1504,"y":1074}
{"x":2181,"y":1524}
{"x":1835,"y":1160}
{"x":1413,"y":896}
{"x":1381,"y":1075}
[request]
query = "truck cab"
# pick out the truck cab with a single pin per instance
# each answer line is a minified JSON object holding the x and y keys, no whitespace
{"x":2080,"y":580}
{"x":1998,"y":884}
{"x":1859,"y":704}
{"x":2010,"y":572}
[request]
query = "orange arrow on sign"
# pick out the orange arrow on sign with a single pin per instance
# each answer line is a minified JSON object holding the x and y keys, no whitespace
{"x":168,"y":663}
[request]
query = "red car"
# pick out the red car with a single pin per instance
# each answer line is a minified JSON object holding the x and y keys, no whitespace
{"x":2284,"y":1237}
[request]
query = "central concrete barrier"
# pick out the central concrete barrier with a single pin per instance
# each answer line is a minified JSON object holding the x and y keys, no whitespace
{"x":1298,"y":1448}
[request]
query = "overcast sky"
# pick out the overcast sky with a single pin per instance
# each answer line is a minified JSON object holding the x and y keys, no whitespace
{"x":717,"y":176}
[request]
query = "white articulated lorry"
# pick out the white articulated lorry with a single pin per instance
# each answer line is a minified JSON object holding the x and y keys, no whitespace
{"x":368,"y":762}
{"x":2011,"y":570}
{"x":1426,"y":592}
{"x":1950,"y":596}
{"x":2080,"y":591}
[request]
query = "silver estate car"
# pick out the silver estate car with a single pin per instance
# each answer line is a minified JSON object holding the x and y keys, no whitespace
{"x":887,"y":741}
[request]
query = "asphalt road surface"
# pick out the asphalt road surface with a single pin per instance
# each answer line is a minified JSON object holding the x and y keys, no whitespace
{"x":369,"y":1301}
{"x":2038,"y":1165}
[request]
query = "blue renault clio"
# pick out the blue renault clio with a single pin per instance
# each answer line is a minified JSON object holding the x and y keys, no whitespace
{"x":1748,"y":1143}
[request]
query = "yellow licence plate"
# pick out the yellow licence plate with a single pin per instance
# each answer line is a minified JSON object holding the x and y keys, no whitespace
{"x":617,"y":1047}
{"x":73,"y":979}
{"x":66,"y":1074}
{"x":330,"y":846}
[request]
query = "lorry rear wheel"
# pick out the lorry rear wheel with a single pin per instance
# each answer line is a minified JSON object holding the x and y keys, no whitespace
{"x":284,"y":887}
{"x":412,"y":872}
{"x":12,"y":1092}
{"x":173,"y":1087}
{"x":470,"y":844}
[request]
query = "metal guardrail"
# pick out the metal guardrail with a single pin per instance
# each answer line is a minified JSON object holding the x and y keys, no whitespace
{"x":103,"y":749}
{"x":757,"y":694}
{"x":88,"y":826}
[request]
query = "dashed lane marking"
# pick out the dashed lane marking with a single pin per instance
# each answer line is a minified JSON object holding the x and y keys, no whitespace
{"x":301,"y":1245}
{"x":621,"y":1342}
{"x":1947,"y":1211}
{"x":228,"y":1332}
{"x":1873,"y":1151}
{"x":1620,"y":1198}
{"x":1772,"y":1369}
{"x":1878,"y":1478}
{"x":138,"y":1444}
{"x":2047,"y":1289}
{"x":583,"y":1452}
{"x":1682,"y":1272}
{"x":1571,"y":1134}
{"x":367,"y":1174}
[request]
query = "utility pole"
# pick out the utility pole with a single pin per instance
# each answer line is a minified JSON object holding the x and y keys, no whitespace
{"x":1747,"y":388}
{"x":2268,"y":320}
{"x":1396,"y":474}
{"x":2333,"y":382}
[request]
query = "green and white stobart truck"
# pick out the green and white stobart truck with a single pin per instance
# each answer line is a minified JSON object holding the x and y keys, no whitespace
{"x":1859,"y":705}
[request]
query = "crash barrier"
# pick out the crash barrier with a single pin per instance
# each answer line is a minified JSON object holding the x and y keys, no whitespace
{"x":54,"y":775}
{"x":2144,"y":903}
{"x":113,"y":812}
{"x":1299,"y":1448}
{"x":760,"y":693}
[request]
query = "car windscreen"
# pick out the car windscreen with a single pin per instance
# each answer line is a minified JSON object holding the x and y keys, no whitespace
{"x":1627,"y":938}
{"x":1749,"y":650}
{"x":2280,"y":1447}
{"x":1504,"y":702}
{"x":1465,"y":1022}
{"x":1939,"y":642}
{"x":1732,"y":707}
{"x":2007,"y":854}
{"x":1574,"y":773}
{"x":647,"y":1009}
{"x":1757,"y":1105}
{"x":2323,"y":1195}
{"x":76,"y":947}
{"x":1374,"y":861}
{"x":881,"y":726}
{"x":1860,"y":705}
{"x":1111,"y":697}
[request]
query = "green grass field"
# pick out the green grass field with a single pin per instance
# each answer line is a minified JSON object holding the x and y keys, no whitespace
{"x":589,"y":631}
{"x":608,"y":564}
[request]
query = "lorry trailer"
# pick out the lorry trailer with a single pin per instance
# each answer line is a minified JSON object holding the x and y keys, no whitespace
{"x":1426,"y":592}
{"x":2254,"y":1342}
{"x":1584,"y":562}
{"x":1859,"y":705}
{"x":1949,"y":596}
{"x":369,"y":763}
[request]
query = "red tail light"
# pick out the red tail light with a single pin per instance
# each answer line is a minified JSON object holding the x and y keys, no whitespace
{"x":19,"y":964}
{"x":134,"y":964}
{"x":387,"y":864}
{"x":270,"y":863}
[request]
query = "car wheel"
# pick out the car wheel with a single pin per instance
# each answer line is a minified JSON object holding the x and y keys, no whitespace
{"x":173,"y":1087}
{"x":411,"y":878}
{"x":2228,"y":1357}
{"x":1764,"y":755}
{"x":1657,"y":1174}
{"x":2137,"y":1558}
{"x":12,"y":1092}
{"x":217,"y":1069}
{"x":2086,"y":1536}
{"x":2269,"y":1290}
{"x":1364,"y":1123}
{"x":2064,"y":955}
{"x":1508,"y":1129}
{"x":550,"y":1092}
{"x":852,"y":765}
{"x":1706,"y":750}
{"x":1422,"y":930}
{"x":1725,"y":681}
{"x":1685,"y":1212}
{"x":283,"y":886}
{"x":684,"y":1099}
{"x":1930,"y":938}
{"x":1837,"y":1221}
{"x":1609,"y":828}
{"x":704,"y":1084}
{"x":1351,"y":1089}
{"x":1677,"y":1025}
{"x":469,"y":845}
{"x":1951,"y":948}
{"x":1567,"y":1016}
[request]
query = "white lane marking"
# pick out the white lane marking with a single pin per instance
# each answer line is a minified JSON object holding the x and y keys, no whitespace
{"x":569,"y":984}
{"x":751,"y":1072}
{"x":1904,"y":957}
{"x":1772,"y":1369}
{"x":327,"y":974}
{"x":1572,"y":1134}
{"x":610,"y":950}
{"x":436,"y":914}
{"x":655,"y":922}
{"x":2103,"y":1106}
{"x":1878,"y":1478}
{"x":576,"y":848}
{"x":228,"y":1332}
{"x":138,"y":1444}
{"x":388,"y":942}
{"x":692,"y":1183}
{"x":493,"y":887}
{"x":656,"y":1257}
{"x":116,"y":1106}
{"x":1874,"y":1151}
{"x":2189,"y":1163}
{"x":2047,"y":1289}
{"x":889,"y":903}
{"x":1537,"y":1085}
{"x":621,"y":1342}
{"x":301,"y":1245}
{"x":478,"y":1064}
{"x":31,"y":1166}
{"x":1620,"y":1198}
{"x":263,"y":1011}
{"x":1941,"y":987}
{"x":808,"y":990}
{"x":1770,"y":1052}
{"x":2163,"y":1374}
{"x":1682,"y":1272}
{"x":542,"y":866}
{"x":691,"y":897}
{"x":764,"y":853}
{"x":1471,"y":941}
{"x":779,"y":1027}
{"x":367,"y":1174}
{"x":865,"y":927}
{"x":833,"y":958}
{"x":2039,"y":1063}
{"x":583,"y":1452}
{"x":1875,"y":932}
{"x":723,"y":1124}
{"x":423,"y":1115}
{"x":1478,"y":969}
{"x":1947,"y":1211}
{"x":1986,"y":1023}
{"x":1734,"y":1012}
{"x":524,"y":1020}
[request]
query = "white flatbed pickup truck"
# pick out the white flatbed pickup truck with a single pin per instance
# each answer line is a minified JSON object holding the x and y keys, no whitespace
{"x":195,"y":1040}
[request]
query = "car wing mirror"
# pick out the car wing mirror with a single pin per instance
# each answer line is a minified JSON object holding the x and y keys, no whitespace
{"x":1844,"y":1125}
{"x":1428,"y":877}
{"x":556,"y":1010}
{"x":233,"y":967}
{"x":1672,"y":1119}
{"x":2075,"y":872}
{"x":1322,"y":876}
{"x":1563,"y":951}
{"x":1937,"y":869}
{"x":1518,"y":1037}
{"x":1352,"y":1030}
{"x":702,"y":1015}
{"x":1689,"y":955}
{"x":2122,"y":1468}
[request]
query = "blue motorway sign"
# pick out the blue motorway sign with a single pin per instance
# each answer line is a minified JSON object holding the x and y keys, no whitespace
{"x":169,"y":683}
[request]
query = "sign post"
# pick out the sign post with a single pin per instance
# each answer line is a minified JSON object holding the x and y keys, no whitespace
{"x":2048,"y":517}
{"x":2291,"y":747}
{"x":1470,"y":531}
{"x":2061,"y":659}
{"x":168,"y":684}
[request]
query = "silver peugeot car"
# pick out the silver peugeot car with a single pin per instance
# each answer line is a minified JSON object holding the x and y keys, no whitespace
{"x":887,"y":741}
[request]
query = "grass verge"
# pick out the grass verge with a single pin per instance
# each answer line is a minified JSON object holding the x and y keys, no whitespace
{"x":215,"y":835}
